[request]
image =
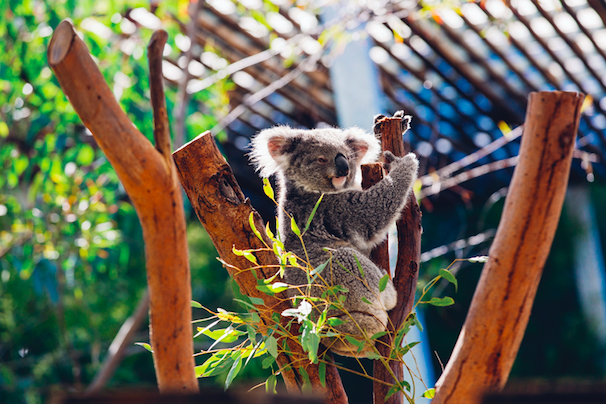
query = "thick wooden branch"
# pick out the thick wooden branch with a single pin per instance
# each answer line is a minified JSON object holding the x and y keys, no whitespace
{"x":371,"y":174}
{"x":499,"y":312}
{"x":407,"y":265}
{"x":155,"y":49}
{"x":154,"y":189}
{"x":224,"y":211}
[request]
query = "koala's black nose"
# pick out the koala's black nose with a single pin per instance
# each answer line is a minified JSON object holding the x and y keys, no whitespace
{"x":342,"y":166}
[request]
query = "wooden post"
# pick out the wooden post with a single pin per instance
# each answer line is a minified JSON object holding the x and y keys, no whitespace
{"x":224,"y":211}
{"x":149,"y":177}
{"x":499,"y":312}
{"x":407,"y":265}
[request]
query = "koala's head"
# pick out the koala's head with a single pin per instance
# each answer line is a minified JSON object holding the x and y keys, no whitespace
{"x":320,"y":160}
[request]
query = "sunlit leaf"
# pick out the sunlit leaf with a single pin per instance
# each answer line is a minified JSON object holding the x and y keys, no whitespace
{"x":449,"y":277}
{"x":313,"y":213}
{"x":233,"y":372}
{"x":272,"y":346}
{"x":431,"y":393}
{"x":441,"y":301}
{"x":270,"y":384}
{"x":383,"y":282}
{"x":145,"y":345}
{"x":322,"y":373}
{"x":269,"y":191}
{"x":294,"y":227}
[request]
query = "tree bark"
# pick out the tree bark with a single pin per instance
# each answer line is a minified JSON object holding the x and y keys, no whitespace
{"x":499,"y":312}
{"x":224,"y":211}
{"x":150,"y":179}
{"x":407,"y":265}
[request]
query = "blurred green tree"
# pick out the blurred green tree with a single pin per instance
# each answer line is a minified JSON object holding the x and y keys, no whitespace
{"x":71,"y":253}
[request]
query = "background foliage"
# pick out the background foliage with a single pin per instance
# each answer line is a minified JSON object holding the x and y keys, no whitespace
{"x":71,"y":252}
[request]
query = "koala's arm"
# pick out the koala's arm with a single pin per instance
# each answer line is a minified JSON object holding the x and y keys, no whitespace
{"x":367,"y":214}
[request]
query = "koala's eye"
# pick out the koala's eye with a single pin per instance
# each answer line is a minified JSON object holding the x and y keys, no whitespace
{"x":322,"y":160}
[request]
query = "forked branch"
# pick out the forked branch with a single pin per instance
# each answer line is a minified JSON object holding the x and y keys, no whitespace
{"x":224,"y":211}
{"x":150,"y":180}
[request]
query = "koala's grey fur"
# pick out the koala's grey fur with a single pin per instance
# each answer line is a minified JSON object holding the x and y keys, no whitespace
{"x":349,"y":221}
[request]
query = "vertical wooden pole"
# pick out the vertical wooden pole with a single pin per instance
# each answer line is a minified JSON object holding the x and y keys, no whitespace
{"x":499,"y":312}
{"x":407,"y":266}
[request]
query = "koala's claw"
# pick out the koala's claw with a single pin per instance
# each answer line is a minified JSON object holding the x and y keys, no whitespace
{"x":389,"y":156}
{"x":409,"y":161}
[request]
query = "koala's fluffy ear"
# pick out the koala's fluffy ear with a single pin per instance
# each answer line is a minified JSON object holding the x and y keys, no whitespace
{"x":366,"y":146}
{"x":268,"y":149}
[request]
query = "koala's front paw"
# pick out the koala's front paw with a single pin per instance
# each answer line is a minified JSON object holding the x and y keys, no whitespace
{"x":408,"y":163}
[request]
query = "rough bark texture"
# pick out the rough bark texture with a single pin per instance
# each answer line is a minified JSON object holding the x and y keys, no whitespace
{"x":499,"y":312}
{"x":150,"y":180}
{"x":407,"y":265}
{"x":224,"y":211}
{"x":371,"y":174}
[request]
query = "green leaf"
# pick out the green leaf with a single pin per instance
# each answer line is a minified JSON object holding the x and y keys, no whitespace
{"x":379,"y":335}
{"x":404,"y":350}
{"x":383,"y":282}
{"x":313,"y":213}
{"x":269,"y":191}
{"x":322,"y":373}
{"x":245,"y":303}
{"x":270,"y":384}
{"x":306,"y":382}
{"x":294,"y":227}
{"x":199,"y":371}
{"x":393,"y":390}
{"x":226,"y":335}
{"x":341,"y":289}
{"x":265,"y":289}
{"x":335,"y":321}
{"x":196,"y":304}
{"x":441,"y":301}
{"x":205,"y":329}
{"x":257,"y":300}
{"x":252,"y":334}
{"x":449,"y":277}
{"x":431,"y":393}
{"x":373,"y":356}
{"x":251,"y":221}
{"x":272,"y":346}
{"x":353,"y":341}
{"x":245,"y":253}
{"x":319,"y":268}
{"x":365,"y":300}
{"x":417,"y":323}
{"x":310,"y":341}
{"x":233,"y":372}
{"x":269,"y":232}
{"x":145,"y":345}
{"x":359,"y":266}
{"x":267,"y":362}
{"x":279,"y":287}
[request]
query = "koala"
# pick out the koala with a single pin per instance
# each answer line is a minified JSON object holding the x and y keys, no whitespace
{"x":349,"y":221}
